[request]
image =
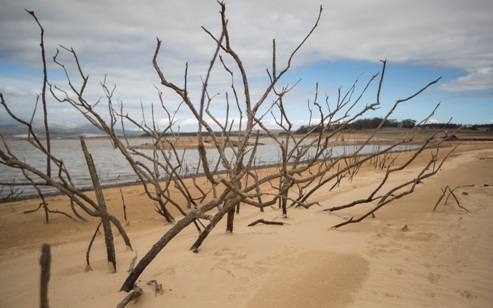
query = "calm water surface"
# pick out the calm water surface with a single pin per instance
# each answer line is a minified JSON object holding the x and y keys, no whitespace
{"x":113,"y":169}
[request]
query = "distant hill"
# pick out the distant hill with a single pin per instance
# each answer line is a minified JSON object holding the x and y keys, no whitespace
{"x":20,"y":131}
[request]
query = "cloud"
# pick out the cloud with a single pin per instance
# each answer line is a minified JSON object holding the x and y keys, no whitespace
{"x":116,"y":40}
{"x":63,"y":124}
{"x":478,"y":80}
{"x":432,"y":121}
{"x":115,"y":32}
{"x":10,"y":90}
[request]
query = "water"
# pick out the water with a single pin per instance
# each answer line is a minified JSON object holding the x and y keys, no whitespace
{"x":113,"y":169}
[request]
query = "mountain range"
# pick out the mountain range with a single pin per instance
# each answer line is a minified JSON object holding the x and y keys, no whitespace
{"x":56,"y":131}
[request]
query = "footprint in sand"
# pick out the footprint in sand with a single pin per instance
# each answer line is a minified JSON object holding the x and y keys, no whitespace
{"x":433,"y":278}
{"x":237,"y":255}
{"x":466,"y":294}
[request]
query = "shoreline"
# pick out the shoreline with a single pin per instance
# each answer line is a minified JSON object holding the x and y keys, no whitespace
{"x":443,"y":259}
{"x":346,"y":142}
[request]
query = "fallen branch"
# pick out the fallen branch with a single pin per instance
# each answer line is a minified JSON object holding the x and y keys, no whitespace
{"x":132,"y":295}
{"x":451,"y":193}
{"x":266,"y":222}
{"x":34,"y":210}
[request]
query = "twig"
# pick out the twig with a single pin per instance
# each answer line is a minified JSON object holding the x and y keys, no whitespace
{"x":47,"y":210}
{"x":266,"y":222}
{"x":451,"y":193}
{"x":124,"y":206}
{"x":12,"y":195}
{"x":88,"y":252}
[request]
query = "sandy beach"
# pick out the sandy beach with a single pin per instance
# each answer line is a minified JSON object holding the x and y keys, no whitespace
{"x":407,"y":256}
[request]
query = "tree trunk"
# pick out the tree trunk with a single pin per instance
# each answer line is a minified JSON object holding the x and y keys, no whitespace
{"x":45,"y":262}
{"x":284,"y":196}
{"x":230,"y":220}
{"x":103,"y":211}
{"x":219,"y":215}
{"x":229,"y":206}
{"x":129,"y":283}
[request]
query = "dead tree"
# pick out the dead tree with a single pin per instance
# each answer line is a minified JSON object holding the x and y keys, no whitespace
{"x":56,"y":174}
{"x":151,"y":170}
{"x":397,"y":192}
{"x":103,"y":211}
{"x":307,"y":162}
{"x":402,"y":189}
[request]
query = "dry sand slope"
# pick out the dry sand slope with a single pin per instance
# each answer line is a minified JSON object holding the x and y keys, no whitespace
{"x":445,"y":259}
{"x":441,"y":259}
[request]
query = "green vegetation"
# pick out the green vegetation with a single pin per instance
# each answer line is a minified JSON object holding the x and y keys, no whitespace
{"x":373,"y":123}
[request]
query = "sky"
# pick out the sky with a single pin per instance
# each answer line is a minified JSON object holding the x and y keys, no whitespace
{"x":115,"y":41}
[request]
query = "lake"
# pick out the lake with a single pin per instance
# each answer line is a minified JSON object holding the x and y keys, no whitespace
{"x":113,"y":168}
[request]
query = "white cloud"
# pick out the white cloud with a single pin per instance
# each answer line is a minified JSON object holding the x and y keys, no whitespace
{"x":63,"y":124}
{"x":116,"y":32}
{"x":432,"y":121}
{"x":10,"y":90}
{"x":481,"y":79}
{"x":118,"y":38}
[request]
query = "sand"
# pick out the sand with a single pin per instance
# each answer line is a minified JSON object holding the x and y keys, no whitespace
{"x":407,"y":256}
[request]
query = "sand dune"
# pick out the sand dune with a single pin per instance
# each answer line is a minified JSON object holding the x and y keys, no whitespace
{"x":408,"y":256}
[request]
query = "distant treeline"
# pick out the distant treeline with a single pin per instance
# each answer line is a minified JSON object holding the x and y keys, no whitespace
{"x":407,"y":123}
{"x":362,"y":124}
{"x":484,"y":127}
